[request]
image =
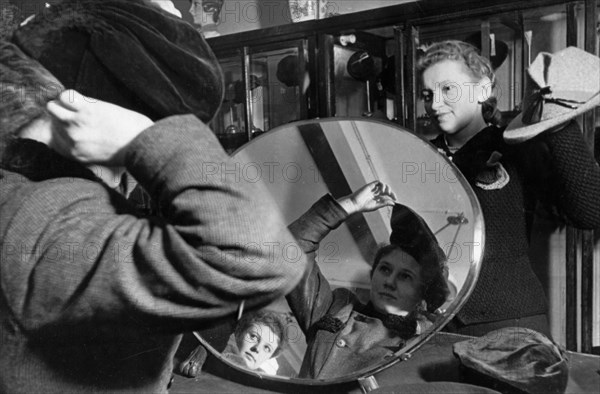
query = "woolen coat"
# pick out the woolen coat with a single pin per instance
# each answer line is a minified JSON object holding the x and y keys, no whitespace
{"x":94,"y":295}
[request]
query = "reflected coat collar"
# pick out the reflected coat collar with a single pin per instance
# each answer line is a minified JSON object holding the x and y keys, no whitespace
{"x":405,"y":326}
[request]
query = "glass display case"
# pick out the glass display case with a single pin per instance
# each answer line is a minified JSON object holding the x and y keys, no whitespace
{"x":347,"y":65}
{"x":265,"y":87}
{"x":364,"y":65}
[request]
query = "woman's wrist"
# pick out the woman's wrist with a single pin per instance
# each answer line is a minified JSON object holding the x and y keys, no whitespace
{"x":347,"y":204}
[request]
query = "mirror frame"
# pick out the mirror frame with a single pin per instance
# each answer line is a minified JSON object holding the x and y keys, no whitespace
{"x":362,"y":377}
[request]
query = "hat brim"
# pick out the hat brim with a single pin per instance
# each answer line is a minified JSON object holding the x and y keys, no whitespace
{"x":517,"y":131}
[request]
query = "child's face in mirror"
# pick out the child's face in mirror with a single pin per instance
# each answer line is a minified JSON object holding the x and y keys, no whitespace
{"x":257,"y":345}
{"x":396,"y":283}
{"x":452,"y":95}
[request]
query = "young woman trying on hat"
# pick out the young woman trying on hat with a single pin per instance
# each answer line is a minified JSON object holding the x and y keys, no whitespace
{"x":408,"y":283}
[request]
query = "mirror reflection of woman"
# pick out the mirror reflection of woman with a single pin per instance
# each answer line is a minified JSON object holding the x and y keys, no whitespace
{"x":407,"y":285}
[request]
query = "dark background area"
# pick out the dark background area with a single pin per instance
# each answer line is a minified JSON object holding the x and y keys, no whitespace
{"x":29,"y":7}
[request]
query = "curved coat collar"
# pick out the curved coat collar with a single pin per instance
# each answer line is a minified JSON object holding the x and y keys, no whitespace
{"x":37,"y":162}
{"x":404,"y":326}
{"x":482,"y":150}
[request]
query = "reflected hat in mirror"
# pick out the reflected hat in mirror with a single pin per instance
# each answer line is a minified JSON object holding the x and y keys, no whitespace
{"x":412,"y":234}
{"x":559,"y":87}
{"x":514,"y":358}
{"x":128,"y":53}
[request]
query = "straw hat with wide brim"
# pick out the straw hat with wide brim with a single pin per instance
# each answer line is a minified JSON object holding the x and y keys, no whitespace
{"x":560,"y":86}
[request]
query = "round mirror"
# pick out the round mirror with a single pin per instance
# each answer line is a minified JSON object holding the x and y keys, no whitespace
{"x":300,"y":163}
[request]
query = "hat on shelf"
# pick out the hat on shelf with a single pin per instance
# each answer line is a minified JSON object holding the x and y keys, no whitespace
{"x":498,"y":50}
{"x":361,"y":66}
{"x":239,"y":88}
{"x":387,"y":77}
{"x":559,"y":87}
{"x":287,"y":70}
{"x":128,"y":53}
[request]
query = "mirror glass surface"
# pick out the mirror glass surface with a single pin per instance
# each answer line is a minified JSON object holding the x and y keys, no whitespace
{"x":303,"y":161}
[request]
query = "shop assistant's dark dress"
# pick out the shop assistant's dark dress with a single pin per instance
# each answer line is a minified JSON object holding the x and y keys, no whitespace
{"x":508,"y":181}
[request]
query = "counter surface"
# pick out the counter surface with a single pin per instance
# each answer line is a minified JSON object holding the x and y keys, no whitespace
{"x":434,"y":362}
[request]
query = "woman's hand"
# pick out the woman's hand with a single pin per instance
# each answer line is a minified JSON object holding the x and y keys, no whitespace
{"x":370,"y":197}
{"x":93,"y":131}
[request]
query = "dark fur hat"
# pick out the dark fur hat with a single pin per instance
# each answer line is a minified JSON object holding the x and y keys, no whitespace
{"x":412,"y":234}
{"x":128,"y":53}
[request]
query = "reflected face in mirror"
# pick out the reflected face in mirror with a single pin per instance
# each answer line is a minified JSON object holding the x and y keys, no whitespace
{"x":396,"y":283}
{"x":259,"y":337}
{"x":257,"y":344}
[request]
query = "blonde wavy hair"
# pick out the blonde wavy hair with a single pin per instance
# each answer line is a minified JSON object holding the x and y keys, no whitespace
{"x":478,"y":65}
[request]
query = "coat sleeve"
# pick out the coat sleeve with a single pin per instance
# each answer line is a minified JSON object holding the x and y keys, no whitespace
{"x":312,"y":297}
{"x":84,"y":254}
{"x":575,"y":177}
